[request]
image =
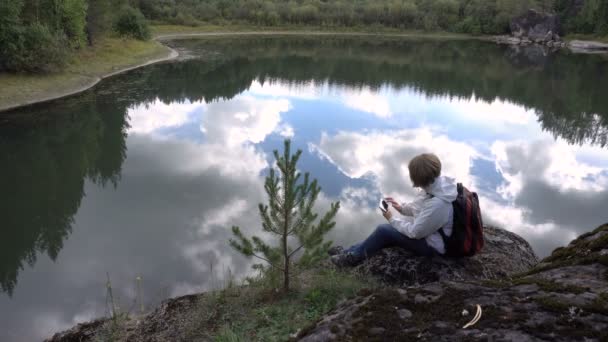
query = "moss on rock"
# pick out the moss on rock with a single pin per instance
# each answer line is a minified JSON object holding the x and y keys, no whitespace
{"x":584,"y":250}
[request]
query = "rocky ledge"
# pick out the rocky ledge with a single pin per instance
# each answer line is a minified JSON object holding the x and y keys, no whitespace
{"x":562,"y":298}
{"x":534,"y":27}
{"x":171,"y":321}
{"x":504,"y":254}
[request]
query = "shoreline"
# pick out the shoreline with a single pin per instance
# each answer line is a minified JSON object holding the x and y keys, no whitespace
{"x":89,"y":81}
{"x":82,"y":82}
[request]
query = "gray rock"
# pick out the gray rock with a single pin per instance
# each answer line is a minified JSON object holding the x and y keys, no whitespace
{"x":549,"y":304}
{"x":504,"y":253}
{"x":563,"y":298}
{"x":535,"y":25}
{"x":376,"y":331}
{"x":404,"y":313}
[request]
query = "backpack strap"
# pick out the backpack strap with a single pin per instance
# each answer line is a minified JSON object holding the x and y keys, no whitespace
{"x":444,"y":237}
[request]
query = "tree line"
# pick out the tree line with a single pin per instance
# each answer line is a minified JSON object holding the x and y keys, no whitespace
{"x":465,"y":16}
{"x":40,"y":35}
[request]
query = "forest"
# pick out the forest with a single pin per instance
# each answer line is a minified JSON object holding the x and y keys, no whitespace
{"x":465,"y":16}
{"x":40,"y":35}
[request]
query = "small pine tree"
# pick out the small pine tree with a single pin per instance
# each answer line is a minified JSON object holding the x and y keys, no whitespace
{"x":289,"y":213}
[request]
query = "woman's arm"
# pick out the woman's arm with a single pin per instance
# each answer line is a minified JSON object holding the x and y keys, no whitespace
{"x":433,"y":216}
{"x":407,"y":209}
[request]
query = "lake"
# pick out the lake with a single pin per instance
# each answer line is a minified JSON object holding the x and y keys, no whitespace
{"x":144,"y":174}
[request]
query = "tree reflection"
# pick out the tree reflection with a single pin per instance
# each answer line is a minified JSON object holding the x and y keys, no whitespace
{"x":44,"y":167}
{"x":566,"y":91}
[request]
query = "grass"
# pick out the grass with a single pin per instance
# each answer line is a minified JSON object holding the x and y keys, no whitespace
{"x":114,"y":54}
{"x":86,"y":66}
{"x":259,"y":312}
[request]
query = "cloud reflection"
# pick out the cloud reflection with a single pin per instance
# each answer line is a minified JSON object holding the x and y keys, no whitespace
{"x":242,"y":119}
{"x":547,"y":195}
{"x":386,"y":155}
{"x":362,"y":98}
{"x":150,"y":117}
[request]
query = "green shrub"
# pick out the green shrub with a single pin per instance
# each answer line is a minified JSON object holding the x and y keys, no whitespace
{"x":40,"y":50}
{"x":131,"y":23}
{"x":184,"y":18}
{"x":469,"y":25}
{"x":74,"y":21}
{"x":10,"y":33}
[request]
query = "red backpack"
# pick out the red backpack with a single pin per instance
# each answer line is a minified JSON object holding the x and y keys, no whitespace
{"x":467,"y":230}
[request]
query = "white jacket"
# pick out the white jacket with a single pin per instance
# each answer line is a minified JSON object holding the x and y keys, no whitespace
{"x":427,"y":214}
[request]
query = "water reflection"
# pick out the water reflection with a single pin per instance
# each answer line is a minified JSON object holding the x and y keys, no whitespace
{"x":43,"y":173}
{"x":142,"y":175}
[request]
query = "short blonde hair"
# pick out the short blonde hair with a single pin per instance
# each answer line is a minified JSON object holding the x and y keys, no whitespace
{"x":424,"y":168}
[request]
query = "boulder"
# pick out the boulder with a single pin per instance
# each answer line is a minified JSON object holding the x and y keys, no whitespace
{"x":563,"y":298}
{"x":504,"y":254}
{"x":537,"y":26}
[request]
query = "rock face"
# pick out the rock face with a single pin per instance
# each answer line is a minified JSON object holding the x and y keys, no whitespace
{"x":564,"y":298}
{"x":81,"y":332}
{"x":504,"y":253}
{"x":534,"y":27}
{"x":169,"y":322}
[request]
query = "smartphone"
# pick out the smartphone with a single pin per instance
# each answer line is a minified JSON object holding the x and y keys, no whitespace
{"x":383,"y":205}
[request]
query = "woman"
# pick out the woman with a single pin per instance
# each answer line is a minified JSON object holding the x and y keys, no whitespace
{"x":418,"y":228}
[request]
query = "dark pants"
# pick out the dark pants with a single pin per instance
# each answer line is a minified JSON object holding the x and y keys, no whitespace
{"x":386,"y":236}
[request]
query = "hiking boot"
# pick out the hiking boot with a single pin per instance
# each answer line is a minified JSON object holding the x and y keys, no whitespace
{"x":345,"y":260}
{"x":335,"y":250}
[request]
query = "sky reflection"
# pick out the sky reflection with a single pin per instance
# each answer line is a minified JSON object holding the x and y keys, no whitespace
{"x":193,"y":169}
{"x":495,"y":147}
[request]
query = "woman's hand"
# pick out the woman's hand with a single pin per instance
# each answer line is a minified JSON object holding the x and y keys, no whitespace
{"x":394,"y":203}
{"x":387,"y":214}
